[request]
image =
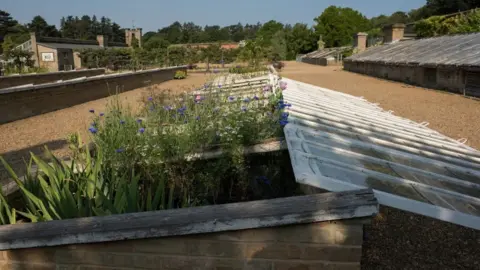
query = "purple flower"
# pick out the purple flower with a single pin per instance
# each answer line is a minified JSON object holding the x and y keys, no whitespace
{"x":122,"y":122}
{"x":93,"y":130}
{"x":139,"y":121}
{"x":91,"y":111}
{"x":102,"y":114}
{"x":206,"y":86}
{"x":141,"y":130}
{"x":152,"y":108}
{"x":246,"y":100}
{"x":255,"y":97}
{"x":244,"y":109}
{"x":231,"y":98}
{"x":219,"y":86}
{"x":120,"y":150}
{"x":150,"y":98}
{"x":283,"y":85}
{"x":167,"y":108}
{"x":267,"y":88}
{"x":285,"y":115}
{"x":197,"y":118}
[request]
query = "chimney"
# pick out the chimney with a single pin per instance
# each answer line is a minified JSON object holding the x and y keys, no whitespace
{"x":102,"y":41}
{"x":394,"y":32}
{"x":360,"y":42}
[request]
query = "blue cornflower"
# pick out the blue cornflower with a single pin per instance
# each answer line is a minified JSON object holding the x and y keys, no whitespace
{"x":219,"y":86}
{"x":285,"y":115}
{"x":120,"y":150}
{"x":102,"y":114}
{"x":91,"y":111}
{"x":197,"y":118}
{"x":255,"y":97}
{"x":139,"y":121}
{"x":93,"y":130}
{"x":244,"y":109}
{"x":150,"y":98}
{"x":283,"y":122}
{"x":264,"y":179}
{"x":122,"y":122}
{"x":231,"y":98}
{"x":141,"y":130}
{"x":167,"y":108}
{"x":246,"y":100}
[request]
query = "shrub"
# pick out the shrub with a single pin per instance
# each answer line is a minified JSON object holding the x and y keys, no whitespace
{"x":180,"y":74}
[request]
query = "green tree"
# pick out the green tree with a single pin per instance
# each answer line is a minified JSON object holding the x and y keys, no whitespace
{"x":42,"y":28}
{"x":155,"y":42}
{"x":337,"y":25}
{"x":300,"y":39}
{"x":253,"y":52}
{"x":267,"y":31}
{"x":279,"y":46}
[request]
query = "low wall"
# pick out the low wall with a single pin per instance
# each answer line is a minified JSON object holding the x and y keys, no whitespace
{"x":321,"y":231}
{"x":23,"y":79}
{"x":452,"y":80}
{"x":21,"y":102}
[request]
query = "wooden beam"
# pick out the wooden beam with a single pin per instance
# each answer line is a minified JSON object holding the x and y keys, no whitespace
{"x":186,"y":221}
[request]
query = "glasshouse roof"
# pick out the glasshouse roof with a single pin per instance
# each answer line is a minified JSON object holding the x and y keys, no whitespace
{"x":339,"y":142}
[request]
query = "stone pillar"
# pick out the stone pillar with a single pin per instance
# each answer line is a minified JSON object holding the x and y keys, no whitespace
{"x":102,"y":41}
{"x":393,"y":32}
{"x":360,"y":42}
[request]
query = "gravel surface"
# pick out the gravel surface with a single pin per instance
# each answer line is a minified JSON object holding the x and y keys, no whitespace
{"x":450,"y":114}
{"x":397,"y":239}
{"x":401,"y":240}
{"x":19,"y":138}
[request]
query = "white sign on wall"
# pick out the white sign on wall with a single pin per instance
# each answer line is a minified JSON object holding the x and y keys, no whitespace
{"x":47,"y":57}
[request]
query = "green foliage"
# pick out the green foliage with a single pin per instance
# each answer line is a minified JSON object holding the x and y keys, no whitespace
{"x":245,"y":70}
{"x":279,"y":46}
{"x":144,"y":162}
{"x":445,"y":25}
{"x":338,"y":25}
{"x":253,"y":53}
{"x":180,"y":74}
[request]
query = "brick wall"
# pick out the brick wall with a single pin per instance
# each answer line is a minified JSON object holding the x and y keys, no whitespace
{"x":23,"y":103}
{"x":326,"y":245}
{"x":445,"y":79}
{"x":15,"y":80}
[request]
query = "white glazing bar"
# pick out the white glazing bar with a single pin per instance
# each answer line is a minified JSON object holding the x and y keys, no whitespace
{"x":440,"y":181}
{"x":429,"y":154}
{"x":293,"y":132}
{"x":345,"y":107}
{"x":292,"y":82}
{"x":345,"y":124}
{"x":386,"y":120}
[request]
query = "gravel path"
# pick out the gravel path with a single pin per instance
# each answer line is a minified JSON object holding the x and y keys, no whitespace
{"x":450,"y":114}
{"x":398,"y":239}
{"x":19,"y":138}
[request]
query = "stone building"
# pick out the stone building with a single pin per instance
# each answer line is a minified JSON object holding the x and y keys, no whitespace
{"x":58,"y":54}
{"x":325,"y":57}
{"x":447,"y":62}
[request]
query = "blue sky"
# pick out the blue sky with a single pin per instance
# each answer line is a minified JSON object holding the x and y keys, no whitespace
{"x":154,"y":14}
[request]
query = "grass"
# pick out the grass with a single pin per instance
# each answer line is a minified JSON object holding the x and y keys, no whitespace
{"x":140,"y":161}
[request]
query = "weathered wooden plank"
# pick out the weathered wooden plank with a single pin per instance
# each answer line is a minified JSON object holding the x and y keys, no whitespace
{"x":206,"y":219}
